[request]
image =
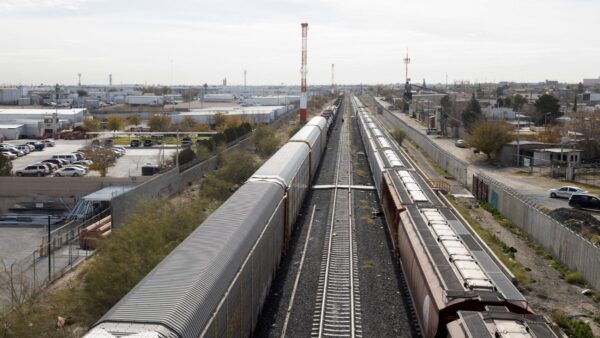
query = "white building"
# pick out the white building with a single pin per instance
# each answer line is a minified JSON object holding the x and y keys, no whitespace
{"x":591,"y":82}
{"x":11,"y":131}
{"x":272,"y":100}
{"x":74,"y":115}
{"x":219,"y":98}
{"x":500,"y":113}
{"x":256,"y":114}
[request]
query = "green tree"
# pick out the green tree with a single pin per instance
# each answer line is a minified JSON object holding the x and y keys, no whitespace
{"x":398,"y":135}
{"x":472,"y":114}
{"x":115,"y":122}
{"x":490,"y":137}
{"x":82,"y":93}
{"x":159,"y":122}
{"x":547,"y":109}
{"x":507,"y":102}
{"x":5,"y":166}
{"x":185,"y":156}
{"x":102,"y":156}
{"x":265,"y":140}
{"x":518,"y":102}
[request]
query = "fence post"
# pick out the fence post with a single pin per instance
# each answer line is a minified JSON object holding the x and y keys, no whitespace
{"x":49,"y":252}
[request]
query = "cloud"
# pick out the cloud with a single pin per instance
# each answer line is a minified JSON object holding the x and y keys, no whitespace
{"x":39,"y":5}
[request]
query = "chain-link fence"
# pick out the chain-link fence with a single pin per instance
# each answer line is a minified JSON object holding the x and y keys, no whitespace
{"x":48,"y":262}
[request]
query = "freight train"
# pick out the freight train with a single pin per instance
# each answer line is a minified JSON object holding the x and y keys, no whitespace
{"x":215,"y":282}
{"x":458,"y":287}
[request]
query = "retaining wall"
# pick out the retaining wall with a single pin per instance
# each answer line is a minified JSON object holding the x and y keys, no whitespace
{"x":454,"y":166}
{"x":567,"y":246}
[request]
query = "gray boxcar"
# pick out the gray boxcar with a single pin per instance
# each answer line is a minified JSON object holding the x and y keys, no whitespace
{"x":191,"y":290}
{"x":290,"y":168}
{"x":311,"y":136}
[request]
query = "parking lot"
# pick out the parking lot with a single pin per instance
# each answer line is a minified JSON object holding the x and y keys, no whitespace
{"x":128,"y":165}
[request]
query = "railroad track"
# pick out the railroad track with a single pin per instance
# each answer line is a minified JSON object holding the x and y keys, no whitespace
{"x":337,"y":309}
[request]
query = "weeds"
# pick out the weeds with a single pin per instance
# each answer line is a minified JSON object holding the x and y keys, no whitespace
{"x":574,"y":328}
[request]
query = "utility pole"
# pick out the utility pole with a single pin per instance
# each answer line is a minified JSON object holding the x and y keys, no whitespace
{"x":49,"y":252}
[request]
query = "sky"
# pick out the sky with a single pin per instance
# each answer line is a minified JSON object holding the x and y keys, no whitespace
{"x":194,"y":42}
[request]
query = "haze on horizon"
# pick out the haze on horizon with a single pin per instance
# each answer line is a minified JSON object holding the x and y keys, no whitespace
{"x":50,"y":41}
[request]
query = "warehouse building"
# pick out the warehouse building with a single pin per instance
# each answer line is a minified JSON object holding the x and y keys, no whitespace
{"x":11,"y":131}
{"x":19,"y":123}
{"x":272,"y":100}
{"x":256,"y":114}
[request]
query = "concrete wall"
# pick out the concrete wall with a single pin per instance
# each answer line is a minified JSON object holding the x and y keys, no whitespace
{"x":17,"y":189}
{"x":453,"y":165}
{"x":567,"y":246}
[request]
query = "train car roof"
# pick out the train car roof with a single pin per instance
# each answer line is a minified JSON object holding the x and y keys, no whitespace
{"x":310,"y":134}
{"x":318,"y":121}
{"x":182,"y":291}
{"x":283,"y":165}
{"x":500,"y":323}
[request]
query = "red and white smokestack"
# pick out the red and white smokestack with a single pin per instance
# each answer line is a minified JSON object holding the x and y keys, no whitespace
{"x":303,"y":71}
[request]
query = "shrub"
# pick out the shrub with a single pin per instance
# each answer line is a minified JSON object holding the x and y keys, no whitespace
{"x":574,"y":328}
{"x":574,"y":278}
{"x":399,"y":135}
{"x":186,"y":155}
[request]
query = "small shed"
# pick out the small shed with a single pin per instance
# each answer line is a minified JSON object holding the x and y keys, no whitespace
{"x":556,"y":156}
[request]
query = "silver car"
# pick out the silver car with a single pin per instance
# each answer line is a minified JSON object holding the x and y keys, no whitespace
{"x":565,"y":192}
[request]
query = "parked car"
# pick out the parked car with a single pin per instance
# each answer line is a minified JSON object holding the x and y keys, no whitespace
{"x":39,"y":146}
{"x":118,"y":152}
{"x":33,"y":170}
{"x":8,"y":155}
{"x":135,"y":143}
{"x":49,"y":142}
{"x":69,"y":171}
{"x":85,"y":169}
{"x":565,"y":192}
{"x":148,"y":143}
{"x":587,"y":201}
{"x":460,"y":143}
{"x":79,"y":155}
{"x":59,"y":164}
{"x":51,"y":166}
{"x":85,"y":163}
{"x":431,"y":131}
{"x":24,"y":148}
{"x":186,"y":142}
{"x":15,"y":151}
{"x":68,"y":157}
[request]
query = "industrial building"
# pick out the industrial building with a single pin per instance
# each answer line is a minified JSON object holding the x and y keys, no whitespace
{"x":219,"y":98}
{"x":272,"y":100}
{"x":256,"y":114}
{"x":9,"y":95}
{"x":34,"y":123}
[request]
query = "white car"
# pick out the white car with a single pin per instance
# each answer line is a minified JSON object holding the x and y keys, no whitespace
{"x":85,"y":163}
{"x":24,"y":148}
{"x":49,"y":142}
{"x":8,"y":155}
{"x":565,"y":192}
{"x":85,"y":170}
{"x":69,"y":171}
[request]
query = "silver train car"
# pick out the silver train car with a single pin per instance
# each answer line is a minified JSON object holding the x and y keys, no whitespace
{"x":215,"y":282}
{"x":450,"y":272}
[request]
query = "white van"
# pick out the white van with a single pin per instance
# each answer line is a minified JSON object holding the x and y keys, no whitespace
{"x":69,"y":157}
